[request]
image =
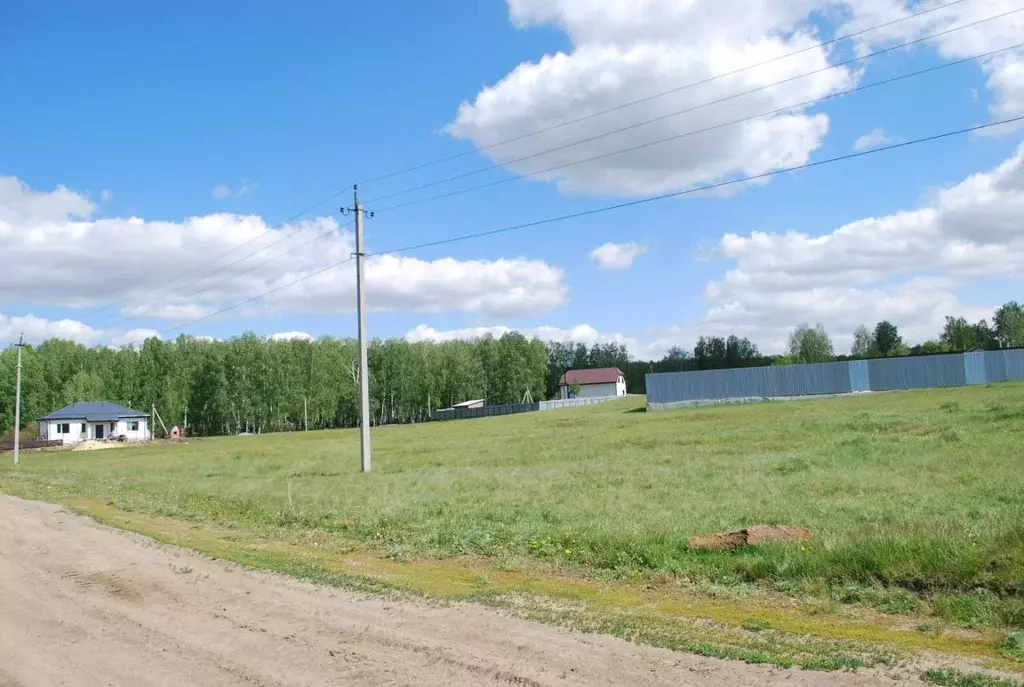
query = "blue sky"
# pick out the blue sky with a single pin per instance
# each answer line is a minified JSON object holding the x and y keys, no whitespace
{"x":235,"y":110}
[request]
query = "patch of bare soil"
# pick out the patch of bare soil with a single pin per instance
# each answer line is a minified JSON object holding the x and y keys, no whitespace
{"x":93,"y":445}
{"x":749,"y":536}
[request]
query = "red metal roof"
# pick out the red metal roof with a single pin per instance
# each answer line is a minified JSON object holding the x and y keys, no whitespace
{"x":602,"y":375}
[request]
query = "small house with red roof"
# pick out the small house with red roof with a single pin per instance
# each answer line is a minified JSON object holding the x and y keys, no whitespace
{"x":598,"y":383}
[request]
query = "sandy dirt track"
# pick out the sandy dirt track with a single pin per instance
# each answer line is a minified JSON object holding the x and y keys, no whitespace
{"x":83,"y":604}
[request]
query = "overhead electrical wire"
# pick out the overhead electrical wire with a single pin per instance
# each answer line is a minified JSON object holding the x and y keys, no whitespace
{"x":520,"y":137}
{"x":225,"y":254}
{"x":640,"y":146}
{"x":693,"y":132}
{"x":315,"y":238}
{"x":694,"y":108}
{"x":670,"y":91}
{"x":606,"y":208}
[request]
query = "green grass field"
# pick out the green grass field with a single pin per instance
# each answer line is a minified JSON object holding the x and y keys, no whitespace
{"x":916,"y":499}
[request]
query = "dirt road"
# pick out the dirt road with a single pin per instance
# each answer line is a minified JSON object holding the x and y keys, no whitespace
{"x":83,"y":604}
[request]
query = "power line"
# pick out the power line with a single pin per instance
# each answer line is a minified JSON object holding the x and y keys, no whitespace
{"x":556,"y":126}
{"x":234,"y":276}
{"x":655,"y":96}
{"x":693,"y":132}
{"x":520,"y":137}
{"x":699,"y":189}
{"x":252,"y":299}
{"x":225,"y":254}
{"x":640,"y":146}
{"x":607,"y":208}
{"x":856,"y":89}
{"x":630,"y":127}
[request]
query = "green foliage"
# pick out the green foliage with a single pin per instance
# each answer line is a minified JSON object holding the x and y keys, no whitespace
{"x":84,"y":386}
{"x":887,"y":340}
{"x":715,"y":353}
{"x":863,"y":342}
{"x":1013,"y":646}
{"x":574,"y":388}
{"x":756,"y":625}
{"x":929,"y":348}
{"x":1009,"y":325}
{"x":959,"y":335}
{"x":810,"y":344}
{"x":951,"y":677}
{"x":249,"y":384}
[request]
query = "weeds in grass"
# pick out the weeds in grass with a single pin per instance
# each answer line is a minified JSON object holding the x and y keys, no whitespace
{"x":1013,"y":646}
{"x":951,"y":677}
{"x":756,"y":624}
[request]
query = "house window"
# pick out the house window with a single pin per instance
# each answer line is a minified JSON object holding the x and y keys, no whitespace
{"x":64,"y":428}
{"x":133,"y":426}
{"x":83,"y":428}
{"x":113,"y":427}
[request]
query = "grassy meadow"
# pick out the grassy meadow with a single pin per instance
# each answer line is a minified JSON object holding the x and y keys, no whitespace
{"x":915,"y":499}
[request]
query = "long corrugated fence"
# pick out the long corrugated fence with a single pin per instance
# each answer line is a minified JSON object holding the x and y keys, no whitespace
{"x":491,"y":411}
{"x":675,"y":389}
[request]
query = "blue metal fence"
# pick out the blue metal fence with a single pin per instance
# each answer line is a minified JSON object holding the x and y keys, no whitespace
{"x":679,"y":388}
{"x":916,"y":373}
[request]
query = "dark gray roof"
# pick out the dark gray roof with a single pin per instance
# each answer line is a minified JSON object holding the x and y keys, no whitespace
{"x":93,"y":411}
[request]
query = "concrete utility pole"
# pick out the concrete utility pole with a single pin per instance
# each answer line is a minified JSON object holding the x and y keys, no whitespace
{"x":17,"y":403}
{"x":364,"y":373}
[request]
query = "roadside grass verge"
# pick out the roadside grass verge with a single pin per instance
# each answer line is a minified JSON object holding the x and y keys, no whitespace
{"x":915,"y":500}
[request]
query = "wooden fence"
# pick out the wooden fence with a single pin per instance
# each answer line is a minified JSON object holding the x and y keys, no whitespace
{"x":8,"y":444}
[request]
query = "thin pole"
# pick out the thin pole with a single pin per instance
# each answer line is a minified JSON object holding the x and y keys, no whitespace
{"x":364,"y":376}
{"x":17,"y":404}
{"x":152,"y":422}
{"x":305,"y":414}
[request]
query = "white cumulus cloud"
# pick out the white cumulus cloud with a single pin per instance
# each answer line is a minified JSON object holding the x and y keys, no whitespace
{"x":38,"y":329}
{"x":616,"y":256}
{"x":625,"y":51}
{"x":133,"y":337}
{"x":583,"y":333}
{"x":223,"y":191}
{"x":905,"y":267}
{"x":872,"y":139}
{"x":291,"y":336}
{"x":1005,"y":72}
{"x":138,"y":272}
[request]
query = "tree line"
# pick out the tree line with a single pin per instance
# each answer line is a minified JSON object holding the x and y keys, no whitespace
{"x":251,"y":384}
{"x":812,"y":344}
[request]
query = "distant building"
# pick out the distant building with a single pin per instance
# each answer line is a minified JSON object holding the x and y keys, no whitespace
{"x":93,"y":420}
{"x":467,"y":405}
{"x":598,"y":383}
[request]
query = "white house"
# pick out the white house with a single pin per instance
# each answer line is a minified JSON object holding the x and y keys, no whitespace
{"x":597,"y":383}
{"x":93,"y":420}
